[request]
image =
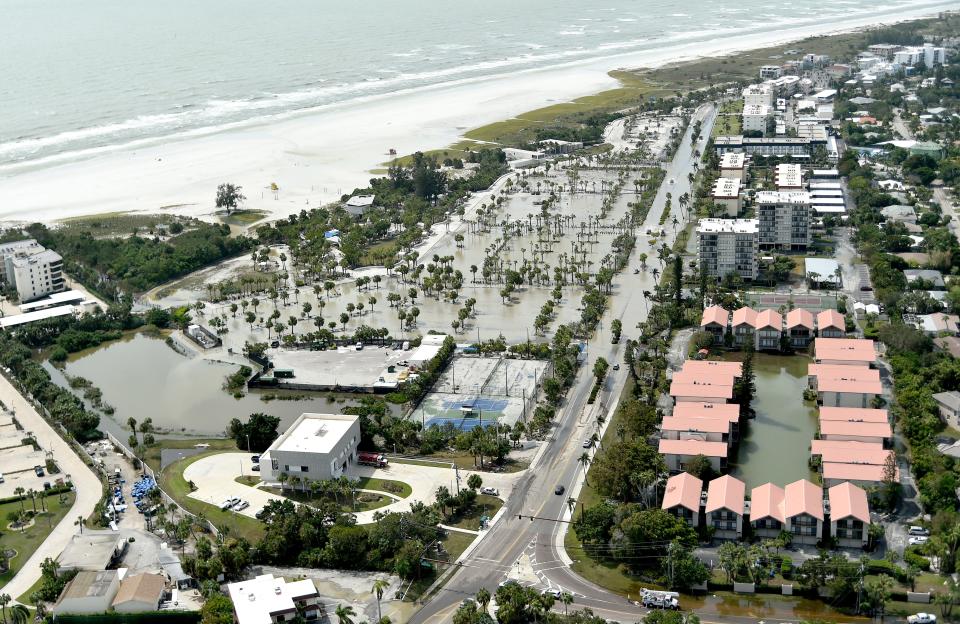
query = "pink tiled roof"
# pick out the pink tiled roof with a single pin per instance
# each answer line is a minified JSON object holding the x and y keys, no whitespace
{"x":711,"y":366}
{"x":848,"y":501}
{"x":769,"y":318}
{"x":798,"y":317}
{"x":683,"y":490}
{"x":855,"y":472}
{"x":745,"y":315}
{"x":700,"y":390}
{"x":714,"y":314}
{"x":706,"y":425}
{"x":803,"y":497}
{"x":848,"y":428}
{"x":843,"y":371}
{"x":831,"y":318}
{"x":841,"y":384}
{"x":766,"y":501}
{"x":818,"y":447}
{"x":711,"y":377}
{"x":692,"y":409}
{"x":862,"y":414}
{"x":693,"y":447}
{"x":875,"y":457}
{"x":726,"y":493}
{"x":854,"y":350}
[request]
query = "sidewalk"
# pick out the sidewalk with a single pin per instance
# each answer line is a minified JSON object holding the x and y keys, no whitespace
{"x":86,"y":484}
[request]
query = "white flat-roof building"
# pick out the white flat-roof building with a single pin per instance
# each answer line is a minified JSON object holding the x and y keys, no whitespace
{"x":758,"y":95}
{"x":90,"y":591}
{"x":359,"y":204}
{"x":784,"y":219}
{"x":770,"y":71}
{"x":27,"y":246}
{"x":733,"y":165}
{"x":755,"y":117}
{"x":728,"y":246}
{"x":788,"y":177}
{"x":269,"y":600}
{"x":726,"y":193}
{"x":35,"y":274}
{"x":316,"y":447}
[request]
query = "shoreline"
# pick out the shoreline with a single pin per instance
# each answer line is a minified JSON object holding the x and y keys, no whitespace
{"x":316,"y":156}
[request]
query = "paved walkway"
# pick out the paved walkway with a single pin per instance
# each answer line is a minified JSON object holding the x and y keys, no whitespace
{"x":215,"y":479}
{"x":85,"y":482}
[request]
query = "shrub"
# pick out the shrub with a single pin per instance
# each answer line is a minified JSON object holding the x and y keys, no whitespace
{"x":786,"y":567}
{"x":911,"y":557}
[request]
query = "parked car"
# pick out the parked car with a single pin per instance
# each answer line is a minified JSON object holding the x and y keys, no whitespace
{"x":560,"y":489}
{"x":587,"y":443}
{"x":275,"y":344}
{"x":490,"y":491}
{"x":255,"y":459}
{"x":918,"y":540}
{"x":918,"y":530}
{"x":230,"y":502}
{"x":1,"y":477}
{"x":616,"y":367}
{"x":508,"y":582}
{"x":255,"y":468}
{"x":241,"y":505}
{"x":38,"y":470}
{"x":922,"y":618}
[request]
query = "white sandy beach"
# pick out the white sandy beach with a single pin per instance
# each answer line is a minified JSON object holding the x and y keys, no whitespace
{"x":318,"y":156}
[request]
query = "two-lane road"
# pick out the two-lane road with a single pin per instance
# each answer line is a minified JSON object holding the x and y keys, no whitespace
{"x":534,"y":494}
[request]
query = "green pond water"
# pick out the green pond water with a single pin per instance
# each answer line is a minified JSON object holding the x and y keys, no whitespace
{"x":142,"y":377}
{"x":775,"y":445}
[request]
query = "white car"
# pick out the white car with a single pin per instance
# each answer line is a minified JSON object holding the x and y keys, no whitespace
{"x":918,"y":540}
{"x":552,"y":591}
{"x":229,"y":503}
{"x":241,"y":505}
{"x":922,"y":618}
{"x":490,"y":491}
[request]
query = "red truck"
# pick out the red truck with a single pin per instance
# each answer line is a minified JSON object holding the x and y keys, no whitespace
{"x":372,"y":459}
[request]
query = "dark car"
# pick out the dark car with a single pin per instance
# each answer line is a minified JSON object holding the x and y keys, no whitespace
{"x":255,"y":468}
{"x":275,"y":344}
{"x":255,"y":459}
{"x":559,"y":490}
{"x":38,"y":470}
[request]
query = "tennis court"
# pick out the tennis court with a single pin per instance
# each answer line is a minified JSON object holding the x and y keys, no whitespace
{"x":809,"y":302}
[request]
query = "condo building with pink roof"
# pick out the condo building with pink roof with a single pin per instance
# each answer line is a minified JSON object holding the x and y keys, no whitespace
{"x":845,"y":386}
{"x":677,"y":454}
{"x":768,"y":329}
{"x":724,"y":508}
{"x":863,"y":475}
{"x":715,"y":320}
{"x":708,"y":386}
{"x":767,"y":511}
{"x":743,"y":325}
{"x":682,"y":497}
{"x":855,"y":431}
{"x":845,"y":351}
{"x":855,"y":414}
{"x":831,"y":324}
{"x":849,"y":515}
{"x":698,"y":409}
{"x":803,"y":511}
{"x":687,"y":428}
{"x":800,"y":328}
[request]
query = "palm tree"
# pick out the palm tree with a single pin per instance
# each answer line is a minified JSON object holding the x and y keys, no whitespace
{"x":584,"y":461}
{"x":566,"y":598}
{"x":4,"y":601}
{"x":483,"y":598}
{"x":19,"y":614}
{"x":379,"y":586}
{"x":344,"y":614}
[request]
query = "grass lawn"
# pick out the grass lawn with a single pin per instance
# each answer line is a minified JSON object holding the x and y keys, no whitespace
{"x":365,"y":500}
{"x":485,"y":506}
{"x":248,"y":480}
{"x":25,"y":598}
{"x":172,"y":482}
{"x":421,"y":462}
{"x":465,"y":461}
{"x":152,"y":457}
{"x":26,"y":541}
{"x":243,"y":217}
{"x":397,"y":488}
{"x":454,"y":543}
{"x":118,"y":223}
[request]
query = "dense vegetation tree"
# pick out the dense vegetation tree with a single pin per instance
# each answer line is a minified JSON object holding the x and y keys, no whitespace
{"x":257,"y":434}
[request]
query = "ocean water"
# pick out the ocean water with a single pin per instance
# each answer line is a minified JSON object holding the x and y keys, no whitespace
{"x":81,"y":76}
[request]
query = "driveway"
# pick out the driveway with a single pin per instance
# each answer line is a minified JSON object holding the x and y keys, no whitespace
{"x":85,"y":482}
{"x":215,"y":479}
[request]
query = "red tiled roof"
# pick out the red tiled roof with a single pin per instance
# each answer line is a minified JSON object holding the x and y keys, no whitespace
{"x":726,"y":493}
{"x":714,"y":314}
{"x":798,"y":317}
{"x":848,"y":501}
{"x":684,"y":490}
{"x":803,"y":497}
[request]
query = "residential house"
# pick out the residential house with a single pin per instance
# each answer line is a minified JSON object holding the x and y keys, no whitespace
{"x":728,"y":411}
{"x":678,"y":453}
{"x":947,"y":344}
{"x":855,"y":431}
{"x":682,"y":497}
{"x":938,"y":323}
{"x":854,"y":414}
{"x":744,"y":325}
{"x":800,"y":328}
{"x":767,"y":510}
{"x":849,"y":515}
{"x":949,"y":406}
{"x":269,"y":600}
{"x":724,"y":509}
{"x":846,"y":351}
{"x":712,"y":367}
{"x":831,"y":324}
{"x":845,"y":386}
{"x":715,"y":429}
{"x":139,"y":593}
{"x":768,"y":330}
{"x":803,"y":511}
{"x":863,"y":475}
{"x":715,"y":320}
{"x":929,"y":276}
{"x":90,"y":591}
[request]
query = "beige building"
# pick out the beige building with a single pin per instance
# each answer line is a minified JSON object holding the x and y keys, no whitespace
{"x":139,"y":593}
{"x":783,"y":220}
{"x":734,"y":165}
{"x":90,"y":591}
{"x":726,"y":193}
{"x":728,"y":246}
{"x":35,"y":274}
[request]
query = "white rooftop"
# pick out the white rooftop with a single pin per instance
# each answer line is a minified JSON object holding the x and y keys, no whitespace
{"x":824,"y":267}
{"x":756,"y":109}
{"x":360,"y":201}
{"x":67,"y":296}
{"x":727,"y":188}
{"x":732,"y":160}
{"x":255,"y":600}
{"x":39,"y":315}
{"x":739,"y":226}
{"x":314,"y":433}
{"x":781,"y":197}
{"x":789,"y":174}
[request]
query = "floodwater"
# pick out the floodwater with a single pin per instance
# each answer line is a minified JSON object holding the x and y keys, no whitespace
{"x":142,"y":377}
{"x":775,"y":446}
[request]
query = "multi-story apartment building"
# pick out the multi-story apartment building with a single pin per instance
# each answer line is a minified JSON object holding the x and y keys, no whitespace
{"x":35,"y":275}
{"x":728,"y":246}
{"x":755,"y":117}
{"x":9,"y":249}
{"x":758,"y":95}
{"x":783,"y":219}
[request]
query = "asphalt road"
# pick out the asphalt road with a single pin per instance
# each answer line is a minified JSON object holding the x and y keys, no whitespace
{"x":534,"y":495}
